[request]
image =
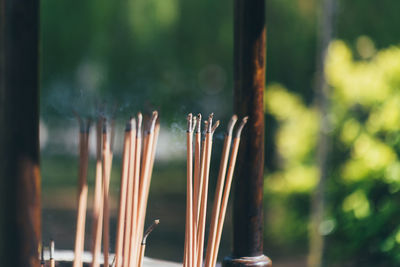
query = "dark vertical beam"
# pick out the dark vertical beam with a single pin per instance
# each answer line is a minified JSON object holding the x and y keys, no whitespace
{"x":19,"y":133}
{"x":249,"y":81}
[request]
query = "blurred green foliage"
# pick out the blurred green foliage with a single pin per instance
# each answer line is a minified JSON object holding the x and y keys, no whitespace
{"x":177,"y":55}
{"x":362,"y":221}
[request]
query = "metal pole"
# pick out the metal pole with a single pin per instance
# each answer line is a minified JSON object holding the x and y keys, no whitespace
{"x":249,"y":78}
{"x":19,"y":133}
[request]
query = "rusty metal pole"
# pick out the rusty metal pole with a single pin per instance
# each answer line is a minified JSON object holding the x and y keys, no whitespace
{"x":249,"y":80}
{"x":19,"y":133}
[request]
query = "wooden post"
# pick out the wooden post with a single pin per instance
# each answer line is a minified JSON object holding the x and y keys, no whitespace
{"x":19,"y":133}
{"x":249,"y":78}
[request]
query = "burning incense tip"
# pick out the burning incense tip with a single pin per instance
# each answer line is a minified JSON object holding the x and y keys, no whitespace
{"x":153,"y":120}
{"x":210,"y":118}
{"x":51,"y":249}
{"x":205,"y":127}
{"x":198,"y":128}
{"x":215,"y":127}
{"x":42,"y":254}
{"x":231,"y":124}
{"x":139,"y":125}
{"x":52,"y":261}
{"x":104,"y":125}
{"x":242,"y":124}
{"x":140,"y":117}
{"x":189,"y":122}
{"x":194,"y":123}
{"x":149,"y":230}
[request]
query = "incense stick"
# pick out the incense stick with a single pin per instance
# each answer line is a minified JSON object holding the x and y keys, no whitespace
{"x":42,"y":262}
{"x":130,"y":194}
{"x":154,"y":148}
{"x":123,"y":192}
{"x":52,"y":261}
{"x":82,"y":192}
{"x":206,"y":172}
{"x":152,"y":157}
{"x":136,"y":181}
{"x":197,"y":169}
{"x":143,"y":244}
{"x":200,"y":187}
{"x":196,"y":183}
{"x":189,"y":193}
{"x":235,"y":148}
{"x":218,"y":193}
{"x":98,"y":203}
{"x":145,"y":178}
{"x":106,"y":184}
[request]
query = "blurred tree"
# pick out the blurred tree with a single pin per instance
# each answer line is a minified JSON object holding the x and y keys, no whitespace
{"x":363,"y":185}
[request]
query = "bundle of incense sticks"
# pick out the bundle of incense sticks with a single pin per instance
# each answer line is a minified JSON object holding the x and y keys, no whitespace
{"x":101,"y":201}
{"x":197,"y":188}
{"x":137,"y":166}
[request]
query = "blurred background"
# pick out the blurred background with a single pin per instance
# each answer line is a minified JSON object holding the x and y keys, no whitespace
{"x":177,"y":57}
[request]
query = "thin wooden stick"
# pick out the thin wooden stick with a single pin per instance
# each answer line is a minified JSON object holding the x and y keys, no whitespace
{"x":153,"y":152}
{"x":122,"y":200}
{"x":154,"y":148}
{"x":106,"y":183}
{"x":194,"y":239}
{"x":200,"y":187}
{"x":189,"y":191}
{"x":186,"y":260}
{"x":194,"y":226}
{"x":135,"y":200}
{"x":219,"y":191}
{"x":196,"y":183}
{"x":135,"y":206}
{"x":202,"y":221}
{"x":52,"y":261}
{"x":143,"y":244}
{"x":42,"y":262}
{"x":129,"y":196}
{"x":82,"y":192}
{"x":98,"y":202}
{"x":235,"y":148}
{"x":145,"y":178}
{"x":197,"y":167}
{"x":77,"y":249}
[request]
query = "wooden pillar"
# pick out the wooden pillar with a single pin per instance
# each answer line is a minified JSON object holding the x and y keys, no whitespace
{"x":249,"y":80}
{"x":19,"y":133}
